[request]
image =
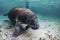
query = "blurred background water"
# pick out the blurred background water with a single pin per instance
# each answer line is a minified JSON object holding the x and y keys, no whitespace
{"x":46,"y":8}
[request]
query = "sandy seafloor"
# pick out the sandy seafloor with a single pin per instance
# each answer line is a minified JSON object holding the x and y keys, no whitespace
{"x":49,"y":30}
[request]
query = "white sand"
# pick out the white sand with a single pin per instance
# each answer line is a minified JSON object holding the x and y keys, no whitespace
{"x":48,"y":31}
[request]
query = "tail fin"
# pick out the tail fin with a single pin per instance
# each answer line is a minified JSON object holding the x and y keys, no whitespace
{"x":5,"y":14}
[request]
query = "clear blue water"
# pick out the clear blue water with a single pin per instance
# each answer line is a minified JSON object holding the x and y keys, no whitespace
{"x":44,"y":8}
